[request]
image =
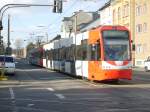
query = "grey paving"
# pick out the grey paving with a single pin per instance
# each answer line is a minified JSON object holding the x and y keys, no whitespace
{"x":35,"y":89}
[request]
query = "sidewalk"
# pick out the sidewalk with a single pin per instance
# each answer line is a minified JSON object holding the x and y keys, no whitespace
{"x":138,"y":68}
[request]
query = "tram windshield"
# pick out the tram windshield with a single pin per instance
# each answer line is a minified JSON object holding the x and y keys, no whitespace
{"x":116,"y":45}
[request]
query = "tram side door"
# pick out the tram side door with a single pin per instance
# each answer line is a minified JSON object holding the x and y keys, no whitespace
{"x":94,"y":55}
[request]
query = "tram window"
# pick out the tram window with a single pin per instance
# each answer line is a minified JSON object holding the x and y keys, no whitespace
{"x":73,"y":48}
{"x":98,"y":52}
{"x":44,"y":54}
{"x":61,"y":53}
{"x":55,"y":54}
{"x":78,"y":52}
{"x":67,"y":53}
{"x":64,"y":53}
{"x":95,"y":52}
{"x":58,"y":54}
{"x":49,"y":54}
{"x":40,"y":55}
{"x":84,"y":52}
{"x":52,"y":52}
{"x":84,"y":49}
{"x":71,"y":53}
{"x":61,"y":50}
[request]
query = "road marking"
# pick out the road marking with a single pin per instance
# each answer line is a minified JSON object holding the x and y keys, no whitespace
{"x":29,"y":105}
{"x":12,"y":95}
{"x":60,"y":96}
{"x":45,"y":78}
{"x":50,"y":89}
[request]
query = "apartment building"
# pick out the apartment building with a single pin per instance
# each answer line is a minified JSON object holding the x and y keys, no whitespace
{"x":142,"y":23}
{"x":76,"y":22}
{"x":106,"y":14}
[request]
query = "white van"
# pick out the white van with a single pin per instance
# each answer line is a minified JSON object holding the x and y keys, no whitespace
{"x":8,"y":63}
{"x":147,"y":64}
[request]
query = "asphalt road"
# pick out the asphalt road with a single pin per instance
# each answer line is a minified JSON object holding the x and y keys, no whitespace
{"x":35,"y":89}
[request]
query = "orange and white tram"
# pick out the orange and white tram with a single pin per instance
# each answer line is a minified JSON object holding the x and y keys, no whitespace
{"x":103,"y":53}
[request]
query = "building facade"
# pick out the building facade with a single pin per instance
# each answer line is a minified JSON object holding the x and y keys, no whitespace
{"x":142,"y":23}
{"x":106,"y":14}
{"x":20,"y":53}
{"x":92,"y":24}
{"x":76,"y":22}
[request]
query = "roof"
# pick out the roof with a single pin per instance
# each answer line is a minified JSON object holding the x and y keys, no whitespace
{"x":56,"y":38}
{"x":66,"y":19}
{"x":106,"y":5}
{"x":90,"y":25}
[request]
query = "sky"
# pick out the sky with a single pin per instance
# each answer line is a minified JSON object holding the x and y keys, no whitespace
{"x":28,"y":23}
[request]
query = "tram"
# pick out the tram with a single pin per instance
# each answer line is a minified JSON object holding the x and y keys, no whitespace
{"x":102,"y":53}
{"x":35,"y":56}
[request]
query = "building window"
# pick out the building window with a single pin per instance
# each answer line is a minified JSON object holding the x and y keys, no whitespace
{"x":114,"y":15}
{"x":139,"y":28}
{"x":145,"y":27}
{"x":138,"y":10}
{"x":109,"y":12}
{"x":119,"y":13}
{"x":144,"y":8}
{"x":144,"y":48}
{"x":139,"y":62}
{"x":139,"y":48}
{"x":126,"y":10}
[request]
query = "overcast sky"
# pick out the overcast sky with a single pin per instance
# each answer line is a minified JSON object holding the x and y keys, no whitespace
{"x":26,"y":21}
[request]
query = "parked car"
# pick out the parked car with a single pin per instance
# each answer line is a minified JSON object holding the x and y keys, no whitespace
{"x":8,"y":63}
{"x":147,"y":64}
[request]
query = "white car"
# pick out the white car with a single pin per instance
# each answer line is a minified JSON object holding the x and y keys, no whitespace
{"x":147,"y":64}
{"x":8,"y":63}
